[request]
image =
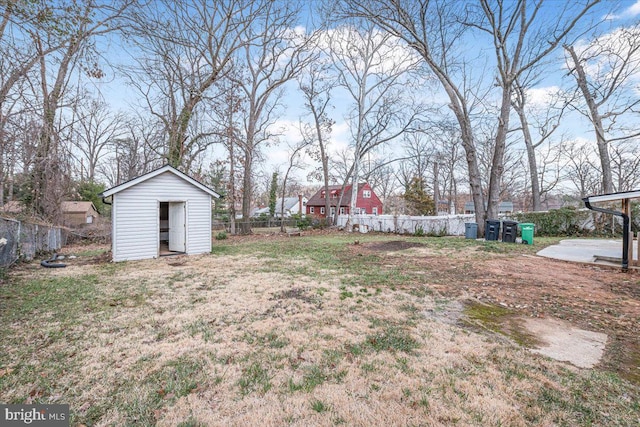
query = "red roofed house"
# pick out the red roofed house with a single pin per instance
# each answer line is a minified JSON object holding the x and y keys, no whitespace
{"x":366,"y":203}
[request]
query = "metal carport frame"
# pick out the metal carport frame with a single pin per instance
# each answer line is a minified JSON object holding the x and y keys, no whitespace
{"x":625,"y":196}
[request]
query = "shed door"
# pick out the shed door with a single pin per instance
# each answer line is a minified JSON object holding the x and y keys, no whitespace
{"x":177,"y":227}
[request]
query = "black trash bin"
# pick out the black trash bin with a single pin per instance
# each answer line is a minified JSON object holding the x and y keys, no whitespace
{"x":509,"y":231}
{"x":492,"y":230}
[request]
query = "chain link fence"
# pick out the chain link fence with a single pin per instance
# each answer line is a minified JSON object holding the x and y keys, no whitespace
{"x":217,"y":225}
{"x":23,"y":240}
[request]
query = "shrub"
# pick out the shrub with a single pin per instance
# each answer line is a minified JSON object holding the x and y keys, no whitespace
{"x":320,"y":223}
{"x":569,"y":221}
{"x":302,"y":222}
{"x":221,"y":235}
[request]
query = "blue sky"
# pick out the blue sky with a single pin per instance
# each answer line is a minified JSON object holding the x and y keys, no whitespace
{"x":115,"y":91}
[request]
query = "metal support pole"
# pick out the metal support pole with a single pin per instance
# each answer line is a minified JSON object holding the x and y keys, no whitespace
{"x":625,"y":230}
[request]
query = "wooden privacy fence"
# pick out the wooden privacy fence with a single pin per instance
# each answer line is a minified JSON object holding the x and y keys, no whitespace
{"x":23,"y":240}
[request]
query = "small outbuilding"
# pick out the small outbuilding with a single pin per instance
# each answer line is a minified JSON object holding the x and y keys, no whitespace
{"x":163,"y":212}
{"x":79,"y":213}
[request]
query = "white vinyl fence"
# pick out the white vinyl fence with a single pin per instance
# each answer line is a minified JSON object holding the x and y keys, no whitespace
{"x":446,"y":225}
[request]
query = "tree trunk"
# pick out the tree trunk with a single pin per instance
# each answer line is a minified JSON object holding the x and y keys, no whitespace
{"x":232,"y":181}
{"x":325,"y":177}
{"x":436,"y":184}
{"x":497,"y":163}
{"x":283,"y":194}
{"x":354,"y":194}
{"x":531,"y":157}
{"x":596,"y":120}
{"x":458,"y":106}
{"x":245,"y":225}
{"x":475,"y":182}
{"x":46,"y":172}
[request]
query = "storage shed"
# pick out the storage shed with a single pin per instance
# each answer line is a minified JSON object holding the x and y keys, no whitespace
{"x":79,"y":214}
{"x":163,"y":212}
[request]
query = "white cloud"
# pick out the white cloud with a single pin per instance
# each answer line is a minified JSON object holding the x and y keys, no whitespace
{"x":387,"y":54}
{"x":617,"y":42}
{"x":541,"y":97}
{"x":277,"y":156}
{"x":630,"y":12}
{"x":634,"y":10}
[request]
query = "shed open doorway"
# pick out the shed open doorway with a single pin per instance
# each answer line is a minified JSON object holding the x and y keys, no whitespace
{"x":173,"y":230}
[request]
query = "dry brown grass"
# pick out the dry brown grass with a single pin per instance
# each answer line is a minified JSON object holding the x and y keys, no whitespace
{"x":234,"y":340}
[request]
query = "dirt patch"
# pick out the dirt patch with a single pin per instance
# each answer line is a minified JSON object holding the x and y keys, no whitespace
{"x":588,"y":297}
{"x":86,"y":253}
{"x":392,"y":246}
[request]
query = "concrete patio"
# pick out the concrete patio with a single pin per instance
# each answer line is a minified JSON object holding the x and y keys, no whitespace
{"x":591,"y":251}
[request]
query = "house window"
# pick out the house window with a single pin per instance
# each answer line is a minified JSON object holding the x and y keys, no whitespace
{"x":311,"y":209}
{"x":366,"y":194}
{"x":322,"y":210}
{"x":342,"y":211}
{"x":333,"y":210}
{"x":322,"y":195}
{"x":375,"y":211}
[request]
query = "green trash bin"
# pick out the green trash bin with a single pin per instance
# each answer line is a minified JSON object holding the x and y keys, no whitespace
{"x":527,"y":232}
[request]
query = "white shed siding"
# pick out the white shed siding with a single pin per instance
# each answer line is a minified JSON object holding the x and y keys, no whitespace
{"x":136,"y":217}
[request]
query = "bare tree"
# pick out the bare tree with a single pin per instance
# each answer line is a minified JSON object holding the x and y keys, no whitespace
{"x":374,"y":69}
{"x":295,"y":162}
{"x":380,"y":174}
{"x":94,"y":131}
{"x":315,"y":85}
{"x":341,"y":164}
{"x":520,"y":40}
{"x":604,"y":72}
{"x":625,"y":165}
{"x":546,"y":122}
{"x":188,"y":46}
{"x":419,"y":150}
{"x":137,"y":151}
{"x":85,"y":22}
{"x":20,"y":24}
{"x":549,"y":158}
{"x":276,"y":55}
{"x":47,"y":42}
{"x":225,"y":112}
{"x":448,"y":155}
{"x":580,"y":168}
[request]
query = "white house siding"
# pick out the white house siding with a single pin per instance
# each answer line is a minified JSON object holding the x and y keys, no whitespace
{"x":136,"y":224}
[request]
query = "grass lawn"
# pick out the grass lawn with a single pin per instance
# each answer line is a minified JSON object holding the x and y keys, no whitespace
{"x":321,"y":330}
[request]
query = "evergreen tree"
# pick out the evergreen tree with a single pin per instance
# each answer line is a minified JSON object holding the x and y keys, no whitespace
{"x":273,"y":191}
{"x":418,"y":200}
{"x":88,"y":191}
